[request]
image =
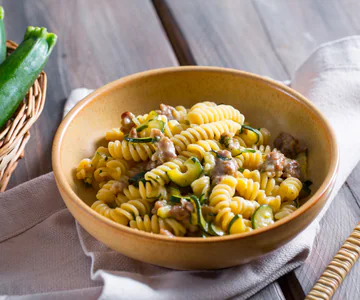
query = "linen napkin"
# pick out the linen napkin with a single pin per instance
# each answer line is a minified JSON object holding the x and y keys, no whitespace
{"x":40,"y":254}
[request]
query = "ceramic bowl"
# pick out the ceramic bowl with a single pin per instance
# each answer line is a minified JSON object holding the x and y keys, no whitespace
{"x":264,"y":103}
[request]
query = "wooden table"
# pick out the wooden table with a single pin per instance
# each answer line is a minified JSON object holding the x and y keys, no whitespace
{"x":100,"y":41}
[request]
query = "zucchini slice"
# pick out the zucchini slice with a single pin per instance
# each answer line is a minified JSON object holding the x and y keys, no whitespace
{"x":177,"y":198}
{"x":194,"y":170}
{"x":158,"y":124}
{"x":220,"y":156}
{"x":215,"y":230}
{"x":152,"y":115}
{"x":139,"y":140}
{"x":262,"y":217}
{"x":137,"y":178}
{"x":141,"y":128}
{"x":236,"y":225}
{"x":202,"y":199}
{"x":257,"y":132}
{"x":164,"y":212}
{"x":197,"y":217}
{"x":173,"y":191}
{"x":236,"y":152}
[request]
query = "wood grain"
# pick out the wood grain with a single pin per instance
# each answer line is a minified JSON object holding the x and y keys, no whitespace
{"x":227,"y":33}
{"x":237,"y":34}
{"x":98,"y":42}
{"x":297,"y":27}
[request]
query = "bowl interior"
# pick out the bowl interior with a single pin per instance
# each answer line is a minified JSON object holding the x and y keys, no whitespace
{"x":264,"y":104}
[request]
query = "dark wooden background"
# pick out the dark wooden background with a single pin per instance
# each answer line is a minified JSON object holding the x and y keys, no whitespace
{"x":100,"y":41}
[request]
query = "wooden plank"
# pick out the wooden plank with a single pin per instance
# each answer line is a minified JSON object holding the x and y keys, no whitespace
{"x":226,"y":33}
{"x":99,"y":41}
{"x":297,"y":27}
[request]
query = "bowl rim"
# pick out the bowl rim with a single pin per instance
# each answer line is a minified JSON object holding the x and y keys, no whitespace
{"x":64,"y":186}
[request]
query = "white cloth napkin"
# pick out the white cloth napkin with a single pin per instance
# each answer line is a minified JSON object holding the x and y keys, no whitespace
{"x":41,"y":257}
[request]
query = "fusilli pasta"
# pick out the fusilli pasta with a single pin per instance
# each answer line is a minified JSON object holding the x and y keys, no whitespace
{"x":197,"y":172}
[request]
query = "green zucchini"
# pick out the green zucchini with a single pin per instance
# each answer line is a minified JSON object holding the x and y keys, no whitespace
{"x":194,"y":170}
{"x":202,"y":199}
{"x":173,"y":191}
{"x":262,"y":217}
{"x":236,"y":225}
{"x":137,"y":178}
{"x":19,"y":71}
{"x":257,"y":132}
{"x":177,"y":198}
{"x":164,"y":212}
{"x":139,"y":140}
{"x":158,"y":124}
{"x":197,"y":217}
{"x":220,"y":156}
{"x":2,"y":36}
{"x":141,"y":128}
{"x":152,"y":115}
{"x":215,"y":230}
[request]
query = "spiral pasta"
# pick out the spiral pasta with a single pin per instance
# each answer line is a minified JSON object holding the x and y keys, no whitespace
{"x":244,"y":207}
{"x":203,"y":132}
{"x":203,"y":105}
{"x":202,"y":171}
{"x":131,"y":151}
{"x":85,"y":170}
{"x":103,"y":209}
{"x":132,"y":209}
{"x":208,"y":114}
{"x":159,"y":174}
{"x":201,"y":186}
{"x":224,"y":218}
{"x":109,"y":191}
{"x":201,"y":147}
{"x":115,"y":134}
{"x":114,"y":169}
{"x":247,"y":188}
{"x":155,"y":224}
{"x":145,"y":191}
{"x":289,"y":189}
{"x":222,"y":193}
{"x":273,"y":201}
{"x":263,"y":149}
{"x":248,"y":160}
{"x":286,"y":209}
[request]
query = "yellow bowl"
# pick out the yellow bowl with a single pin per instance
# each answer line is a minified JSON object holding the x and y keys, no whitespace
{"x":264,"y":102}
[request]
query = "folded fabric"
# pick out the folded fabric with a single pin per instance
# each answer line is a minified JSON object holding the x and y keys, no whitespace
{"x":39,"y":247}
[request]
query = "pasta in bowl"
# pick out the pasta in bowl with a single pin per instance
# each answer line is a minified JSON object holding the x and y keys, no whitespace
{"x":197,"y":172}
{"x":192,"y":184}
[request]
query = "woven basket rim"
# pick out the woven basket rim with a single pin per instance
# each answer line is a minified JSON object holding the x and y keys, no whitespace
{"x":15,"y":135}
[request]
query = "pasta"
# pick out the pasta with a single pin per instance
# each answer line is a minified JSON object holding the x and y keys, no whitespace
{"x":156,"y":225}
{"x":131,"y":151}
{"x":194,"y":172}
{"x":204,"y":132}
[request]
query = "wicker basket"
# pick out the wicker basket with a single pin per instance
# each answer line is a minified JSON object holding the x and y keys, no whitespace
{"x":16,"y":133}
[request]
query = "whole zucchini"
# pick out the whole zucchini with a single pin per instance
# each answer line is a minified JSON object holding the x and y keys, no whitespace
{"x":19,"y":71}
{"x":2,"y":36}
